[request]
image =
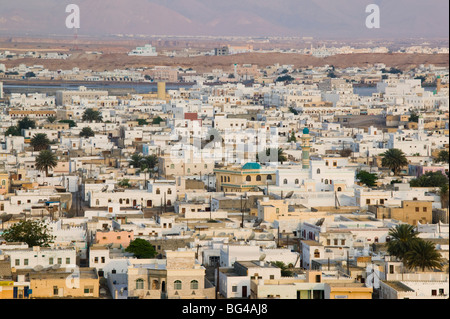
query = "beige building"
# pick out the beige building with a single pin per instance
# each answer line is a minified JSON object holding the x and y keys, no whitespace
{"x":180,"y":277}
{"x":411,"y":212}
{"x":243,"y":179}
{"x":63,"y":283}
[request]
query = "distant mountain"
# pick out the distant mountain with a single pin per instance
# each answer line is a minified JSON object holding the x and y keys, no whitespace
{"x":319,"y":18}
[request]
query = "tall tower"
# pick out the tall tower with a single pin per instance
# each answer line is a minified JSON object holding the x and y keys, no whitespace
{"x":306,"y":146}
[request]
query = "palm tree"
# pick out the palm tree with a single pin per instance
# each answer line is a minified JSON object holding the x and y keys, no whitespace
{"x":394,"y":159}
{"x":402,"y":238}
{"x":91,"y":115}
{"x":87,"y":132}
{"x":148,"y":164}
{"x":136,"y":160}
{"x":45,"y":160}
{"x":281,"y":157}
{"x":40,"y":142}
{"x":423,"y":255}
{"x":51,"y":119}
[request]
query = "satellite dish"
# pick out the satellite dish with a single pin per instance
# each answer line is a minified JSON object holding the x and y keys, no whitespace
{"x":38,"y":268}
{"x":56,"y":266}
{"x":5,"y":217}
{"x":104,"y":188}
{"x":203,"y":236}
{"x":262,"y":257}
{"x":288,"y":195}
{"x":252,"y":236}
{"x":320,"y":222}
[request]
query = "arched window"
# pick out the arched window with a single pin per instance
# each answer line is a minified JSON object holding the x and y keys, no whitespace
{"x":326,"y":163}
{"x":285,"y":181}
{"x":177,"y":285}
{"x":155,"y":284}
{"x":339,"y":189}
{"x":221,"y":179}
{"x":194,"y":284}
{"x":326,"y":181}
{"x":120,"y":200}
{"x":269,"y":177}
{"x":206,"y":165}
{"x":316,"y":253}
{"x":248,"y":178}
{"x":140,"y":284}
{"x":297,"y":181}
{"x":158,"y":191}
{"x":229,"y":179}
{"x":318,"y":171}
{"x":258,"y":178}
{"x":172,"y":166}
{"x":169,"y":191}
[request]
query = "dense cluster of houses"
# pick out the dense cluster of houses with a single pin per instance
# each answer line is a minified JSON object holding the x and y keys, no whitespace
{"x":254,"y":192}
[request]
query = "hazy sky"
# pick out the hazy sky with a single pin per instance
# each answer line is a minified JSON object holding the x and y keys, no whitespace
{"x":318,"y":18}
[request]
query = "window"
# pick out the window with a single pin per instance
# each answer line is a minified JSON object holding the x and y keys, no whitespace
{"x":434,"y":292}
{"x":285,"y":181}
{"x":417,"y":209}
{"x":258,"y":178}
{"x":60,"y":261}
{"x":326,"y":182}
{"x":424,"y":209}
{"x":103,"y":260}
{"x":194,"y":284}
{"x":88,"y":290}
{"x":234,"y":289}
{"x":96,"y":260}
{"x":339,"y":189}
{"x":269,"y":177}
{"x":67,"y":261}
{"x":139,"y":284}
{"x":55,"y":290}
{"x":221,"y":179}
{"x":328,"y":242}
{"x":172,"y":166}
{"x":318,"y":171}
{"x":50,"y":261}
{"x":316,"y":253}
{"x":248,"y":178}
{"x":342,"y":241}
{"x":17,"y":263}
{"x":158,"y":191}
{"x":367,"y":201}
{"x":335,"y":242}
{"x":297,"y":181}
{"x":382,"y":201}
{"x":177,"y":285}
{"x":169,"y":191}
{"x":25,"y":262}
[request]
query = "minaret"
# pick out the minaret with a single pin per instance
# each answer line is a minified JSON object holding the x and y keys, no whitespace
{"x":306,"y":146}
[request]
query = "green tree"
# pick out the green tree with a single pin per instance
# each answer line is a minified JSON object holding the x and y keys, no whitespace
{"x":70,"y":122}
{"x":367,"y":178}
{"x":141,"y":249}
{"x":403,"y":237}
{"x":13,"y":130}
{"x":51,"y":119}
{"x":285,"y":272}
{"x":142,"y":122}
{"x":443,"y":156}
{"x":30,"y":75}
{"x":87,"y":132}
{"x":281,"y":157}
{"x":157,"y":120}
{"x":292,"y":138}
{"x":413,"y":117}
{"x":284,"y":78}
{"x":430,"y":179}
{"x":136,"y":160}
{"x":444,"y":195}
{"x":394,"y":159}
{"x":34,"y":233}
{"x":125,"y":183}
{"x":423,"y":255}
{"x":292,"y":110}
{"x":46,"y":160}
{"x":26,"y":123}
{"x":91,"y":115}
{"x":40,"y":142}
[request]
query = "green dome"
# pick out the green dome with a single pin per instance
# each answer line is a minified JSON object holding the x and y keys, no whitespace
{"x":306,"y":130}
{"x":251,"y":165}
